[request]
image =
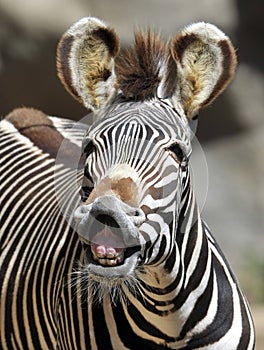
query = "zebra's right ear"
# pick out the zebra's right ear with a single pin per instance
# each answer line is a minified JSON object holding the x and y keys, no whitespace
{"x":85,"y":62}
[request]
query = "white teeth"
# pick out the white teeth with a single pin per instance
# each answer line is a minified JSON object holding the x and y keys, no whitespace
{"x":98,"y":255}
{"x":109,"y":259}
{"x":110,"y":262}
{"x":111,"y":255}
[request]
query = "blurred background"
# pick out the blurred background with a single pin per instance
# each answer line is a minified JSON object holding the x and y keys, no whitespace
{"x":231,"y":131}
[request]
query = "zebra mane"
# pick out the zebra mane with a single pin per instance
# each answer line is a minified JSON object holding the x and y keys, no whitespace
{"x":138,"y":69}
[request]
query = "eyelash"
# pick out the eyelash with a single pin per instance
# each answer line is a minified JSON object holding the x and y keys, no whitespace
{"x":89,"y":148}
{"x":87,"y":187}
{"x":177,"y":151}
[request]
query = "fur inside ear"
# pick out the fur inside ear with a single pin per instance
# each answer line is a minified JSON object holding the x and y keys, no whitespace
{"x":85,"y":62}
{"x":206,"y":62}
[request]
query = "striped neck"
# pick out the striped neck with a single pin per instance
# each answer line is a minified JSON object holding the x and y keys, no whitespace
{"x":175,"y":268}
{"x":167,"y":285}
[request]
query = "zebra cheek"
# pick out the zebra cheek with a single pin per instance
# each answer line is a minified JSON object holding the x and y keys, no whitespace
{"x":101,"y":189}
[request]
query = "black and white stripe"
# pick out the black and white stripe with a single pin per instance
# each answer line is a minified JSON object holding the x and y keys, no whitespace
{"x":182,"y":295}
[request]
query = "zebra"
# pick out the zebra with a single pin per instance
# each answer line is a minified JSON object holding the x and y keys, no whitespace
{"x":128,"y":263}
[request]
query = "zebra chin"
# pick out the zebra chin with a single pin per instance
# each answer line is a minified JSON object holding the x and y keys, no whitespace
{"x":107,"y":269}
{"x":94,"y":285}
{"x":114,"y":269}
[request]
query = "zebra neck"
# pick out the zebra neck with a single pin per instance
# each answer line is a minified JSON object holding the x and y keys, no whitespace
{"x":167,"y":288}
{"x":181,"y":257}
{"x":171,"y":288}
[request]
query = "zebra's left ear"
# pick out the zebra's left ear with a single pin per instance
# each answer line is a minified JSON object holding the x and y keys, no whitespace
{"x":85,"y":62}
{"x":206,"y":62}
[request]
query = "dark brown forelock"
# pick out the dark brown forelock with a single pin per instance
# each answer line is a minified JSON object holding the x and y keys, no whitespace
{"x":138,"y":67}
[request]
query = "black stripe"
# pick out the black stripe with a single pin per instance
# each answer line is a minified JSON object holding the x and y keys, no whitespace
{"x":85,"y":324}
{"x":195,"y":278}
{"x":170,"y":262}
{"x":101,"y":332}
{"x":161,"y":252}
{"x":200,"y":308}
{"x":131,"y":340}
{"x":224,"y":315}
{"x":245,"y":336}
{"x":191,"y":243}
{"x":14,"y":169}
{"x":168,"y":289}
{"x":30,"y":183}
{"x":146,"y":326}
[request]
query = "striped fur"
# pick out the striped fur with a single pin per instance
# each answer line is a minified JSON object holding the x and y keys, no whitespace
{"x":130,"y":264}
{"x":175,"y":297}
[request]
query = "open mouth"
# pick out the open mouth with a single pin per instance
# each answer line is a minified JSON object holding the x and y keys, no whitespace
{"x":106,"y":246}
{"x":107,"y":256}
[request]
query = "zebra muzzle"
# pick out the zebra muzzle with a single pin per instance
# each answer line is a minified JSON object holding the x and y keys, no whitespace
{"x":107,"y":244}
{"x":109,"y":229}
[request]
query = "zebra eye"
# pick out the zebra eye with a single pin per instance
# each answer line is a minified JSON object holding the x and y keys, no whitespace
{"x":89,"y":148}
{"x":87,"y":187}
{"x":177,"y":152}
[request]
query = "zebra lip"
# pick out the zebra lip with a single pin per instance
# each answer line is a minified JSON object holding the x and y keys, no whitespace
{"x":107,"y":245}
{"x":109,"y":241}
{"x":108,"y":256}
{"x":118,"y":272}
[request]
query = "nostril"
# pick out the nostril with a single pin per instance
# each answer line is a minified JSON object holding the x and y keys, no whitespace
{"x":138,"y":217}
{"x":78,"y":214}
{"x":107,"y":220}
{"x":81,"y":211}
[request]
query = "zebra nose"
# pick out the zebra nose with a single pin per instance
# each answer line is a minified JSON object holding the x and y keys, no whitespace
{"x":113,"y":207}
{"x":81,"y":211}
{"x":125,"y":217}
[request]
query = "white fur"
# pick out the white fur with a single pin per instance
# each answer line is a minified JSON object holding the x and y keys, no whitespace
{"x":103,"y":90}
{"x":85,"y":25}
{"x":201,"y":62}
{"x":206,"y":31}
{"x":122,"y":171}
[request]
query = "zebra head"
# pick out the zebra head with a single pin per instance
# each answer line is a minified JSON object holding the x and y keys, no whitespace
{"x":136,"y":178}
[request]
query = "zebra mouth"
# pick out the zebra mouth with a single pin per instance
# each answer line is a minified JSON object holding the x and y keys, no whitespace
{"x":106,"y":246}
{"x":107,"y":256}
{"x":109,"y":260}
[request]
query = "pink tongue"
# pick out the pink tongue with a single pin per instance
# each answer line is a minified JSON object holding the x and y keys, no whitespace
{"x":106,"y":242}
